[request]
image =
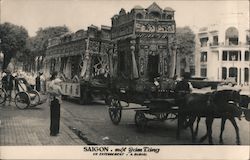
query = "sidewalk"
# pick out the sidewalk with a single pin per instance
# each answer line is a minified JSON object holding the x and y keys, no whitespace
{"x":31,"y":127}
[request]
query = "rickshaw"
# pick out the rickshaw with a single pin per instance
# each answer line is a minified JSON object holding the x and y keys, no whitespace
{"x":24,"y":95}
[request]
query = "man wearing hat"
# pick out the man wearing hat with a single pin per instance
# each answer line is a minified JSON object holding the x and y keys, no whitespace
{"x":8,"y":83}
{"x":55,"y":94}
{"x":182,"y":87}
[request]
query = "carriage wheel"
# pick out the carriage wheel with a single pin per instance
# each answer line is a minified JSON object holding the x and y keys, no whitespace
{"x":35,"y":97}
{"x":3,"y":95}
{"x":115,"y":112}
{"x":22,"y":100}
{"x":140,"y":120}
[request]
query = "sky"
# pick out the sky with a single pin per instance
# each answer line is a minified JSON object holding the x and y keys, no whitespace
{"x":78,"y":14}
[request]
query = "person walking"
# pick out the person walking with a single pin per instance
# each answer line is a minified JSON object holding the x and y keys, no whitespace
{"x":55,"y":93}
{"x":8,"y":84}
{"x":38,"y":82}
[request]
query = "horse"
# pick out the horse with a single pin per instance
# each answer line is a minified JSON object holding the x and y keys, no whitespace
{"x":210,"y":105}
{"x":243,"y":104}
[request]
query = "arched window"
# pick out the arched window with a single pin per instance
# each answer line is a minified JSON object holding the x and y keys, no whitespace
{"x":248,"y":39}
{"x":247,"y":56}
{"x":232,"y":36}
{"x":139,"y":16}
{"x":154,"y":15}
{"x":169,"y":17}
{"x":246,"y":75}
{"x":233,"y":72}
{"x":203,"y":57}
{"x":224,"y":73}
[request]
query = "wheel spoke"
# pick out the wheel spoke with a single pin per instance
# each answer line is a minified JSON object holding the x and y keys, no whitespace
{"x":115,"y":111}
{"x":22,"y":100}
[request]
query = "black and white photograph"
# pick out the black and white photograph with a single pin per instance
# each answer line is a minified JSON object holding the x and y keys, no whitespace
{"x":117,"y":79}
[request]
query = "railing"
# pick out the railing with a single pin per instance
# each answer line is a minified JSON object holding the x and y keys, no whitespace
{"x":214,"y":44}
{"x":222,"y":44}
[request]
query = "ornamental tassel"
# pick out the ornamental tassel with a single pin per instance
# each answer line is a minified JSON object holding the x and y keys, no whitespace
{"x":134,"y":65}
{"x":84,"y":68}
{"x":84,"y":71}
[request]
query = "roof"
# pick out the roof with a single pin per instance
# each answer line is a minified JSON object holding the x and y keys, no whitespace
{"x":137,"y":7}
{"x":169,"y":9}
{"x":154,"y":7}
{"x":105,"y":27}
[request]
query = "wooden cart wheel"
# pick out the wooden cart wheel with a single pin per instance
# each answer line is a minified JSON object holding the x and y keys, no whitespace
{"x":140,"y":120}
{"x":3,"y":95}
{"x":35,"y":97}
{"x":115,"y":111}
{"x":22,"y":100}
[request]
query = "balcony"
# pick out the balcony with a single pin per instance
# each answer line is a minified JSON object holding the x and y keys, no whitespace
{"x":222,"y":44}
{"x":214,"y":44}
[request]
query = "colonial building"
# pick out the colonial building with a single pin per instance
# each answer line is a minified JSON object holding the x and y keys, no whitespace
{"x":223,"y":49}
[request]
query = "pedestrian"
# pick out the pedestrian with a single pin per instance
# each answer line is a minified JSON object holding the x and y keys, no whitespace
{"x":183,"y":87}
{"x":38,"y":82}
{"x":8,"y":83}
{"x":55,"y":93}
{"x":32,"y":80}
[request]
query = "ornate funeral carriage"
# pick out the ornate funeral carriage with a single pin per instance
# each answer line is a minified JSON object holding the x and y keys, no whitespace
{"x":143,"y":63}
{"x":82,"y":60}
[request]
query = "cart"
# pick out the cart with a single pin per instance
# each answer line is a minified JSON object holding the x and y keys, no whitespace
{"x":24,"y":95}
{"x":154,"y":110}
{"x":142,"y":65}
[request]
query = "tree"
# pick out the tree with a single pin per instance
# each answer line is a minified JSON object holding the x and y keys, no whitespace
{"x":39,"y":43}
{"x":185,"y":41}
{"x":13,"y":41}
{"x":185,"y":46}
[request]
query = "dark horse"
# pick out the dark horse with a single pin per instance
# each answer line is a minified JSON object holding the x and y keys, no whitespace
{"x":243,"y":104}
{"x":218,"y":104}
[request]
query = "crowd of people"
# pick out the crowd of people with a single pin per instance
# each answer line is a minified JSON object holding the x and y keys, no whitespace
{"x":37,"y":82}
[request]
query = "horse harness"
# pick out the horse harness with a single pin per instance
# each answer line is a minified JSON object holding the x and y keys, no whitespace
{"x":216,"y":105}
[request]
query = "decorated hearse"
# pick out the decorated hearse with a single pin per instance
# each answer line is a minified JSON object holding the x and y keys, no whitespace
{"x":82,"y":60}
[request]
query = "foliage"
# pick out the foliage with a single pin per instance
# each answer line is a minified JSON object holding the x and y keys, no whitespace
{"x":39,"y":43}
{"x":185,"y":41}
{"x":13,"y":41}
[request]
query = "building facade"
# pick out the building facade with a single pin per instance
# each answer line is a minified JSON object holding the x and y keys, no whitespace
{"x":222,"y":50}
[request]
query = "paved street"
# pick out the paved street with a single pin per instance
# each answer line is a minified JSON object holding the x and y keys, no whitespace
{"x":90,"y":124}
{"x":93,"y":120}
{"x":31,"y":127}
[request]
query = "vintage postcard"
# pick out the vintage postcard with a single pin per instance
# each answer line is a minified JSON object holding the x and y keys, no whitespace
{"x":116,"y":79}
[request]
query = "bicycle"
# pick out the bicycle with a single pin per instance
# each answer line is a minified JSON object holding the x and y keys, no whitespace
{"x":25,"y":96}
